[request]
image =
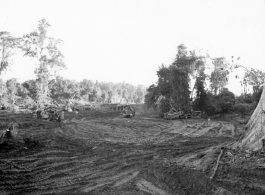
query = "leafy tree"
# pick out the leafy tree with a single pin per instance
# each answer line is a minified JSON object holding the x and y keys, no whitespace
{"x":200,"y":103}
{"x":188,"y":65}
{"x":152,"y":96}
{"x":11,"y":86}
{"x":256,"y":96}
{"x":164,"y":85}
{"x":241,"y":108}
{"x":213,"y":106}
{"x":31,"y":87}
{"x":219,"y":77}
{"x":21,"y":90}
{"x":2,"y":87}
{"x":37,"y":44}
{"x":86,"y":87}
{"x":104,"y":96}
{"x":8,"y":45}
{"x":180,"y":85}
{"x":140,"y":93}
{"x":95,"y":94}
{"x":104,"y":86}
{"x":254,"y":78}
{"x":110,"y":93}
{"x":226,"y":100}
{"x":125,"y":95}
{"x":245,"y":98}
{"x":185,"y":66}
{"x":165,"y":106}
{"x":73,"y":89}
{"x":64,"y":89}
{"x":173,"y":81}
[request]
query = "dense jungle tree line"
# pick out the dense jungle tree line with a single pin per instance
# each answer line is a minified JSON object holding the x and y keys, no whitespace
{"x":175,"y":86}
{"x":48,"y":85}
{"x":195,"y":81}
{"x":61,"y":89}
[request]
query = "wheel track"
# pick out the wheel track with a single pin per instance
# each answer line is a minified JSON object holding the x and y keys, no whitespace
{"x":99,"y":163}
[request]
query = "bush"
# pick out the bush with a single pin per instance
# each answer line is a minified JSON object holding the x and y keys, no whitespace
{"x":253,"y":106}
{"x":211,"y":109}
{"x":226,"y":100}
{"x":247,"y":98}
{"x":164,"y":106}
{"x":256,"y":96}
{"x":242,"y":108}
{"x":225,"y":106}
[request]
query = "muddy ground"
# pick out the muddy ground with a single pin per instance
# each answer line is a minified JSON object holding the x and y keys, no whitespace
{"x":100,"y":153}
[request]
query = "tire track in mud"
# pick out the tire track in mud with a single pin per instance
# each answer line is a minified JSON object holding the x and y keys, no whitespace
{"x":49,"y":170}
{"x":197,"y":128}
{"x":101,"y":156}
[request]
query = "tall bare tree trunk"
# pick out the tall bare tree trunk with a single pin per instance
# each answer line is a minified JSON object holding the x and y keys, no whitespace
{"x":255,"y":127}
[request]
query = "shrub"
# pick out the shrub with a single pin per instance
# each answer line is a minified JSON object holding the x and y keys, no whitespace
{"x":164,"y":107}
{"x":226,"y":100}
{"x":247,"y":98}
{"x":253,"y":106}
{"x":256,"y":96}
{"x":211,"y":109}
{"x":225,"y":106}
{"x":242,"y":108}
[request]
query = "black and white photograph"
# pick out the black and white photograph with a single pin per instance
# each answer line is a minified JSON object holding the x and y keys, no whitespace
{"x":132,"y":97}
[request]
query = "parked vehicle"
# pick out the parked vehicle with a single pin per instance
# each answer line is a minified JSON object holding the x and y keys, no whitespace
{"x":174,"y":114}
{"x":49,"y":113}
{"x":127,"y":112}
{"x":193,"y":114}
{"x":89,"y":107}
{"x":196,"y":114}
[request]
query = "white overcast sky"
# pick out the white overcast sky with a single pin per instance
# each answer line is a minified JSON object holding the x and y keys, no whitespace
{"x":127,"y":40}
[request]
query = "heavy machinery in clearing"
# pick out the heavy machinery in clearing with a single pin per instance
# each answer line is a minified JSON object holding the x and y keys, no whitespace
{"x":127,"y":112}
{"x":49,"y":113}
{"x":175,"y":115}
{"x":182,"y":115}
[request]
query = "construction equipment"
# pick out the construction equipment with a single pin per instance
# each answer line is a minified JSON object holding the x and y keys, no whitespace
{"x":89,"y":107}
{"x":49,"y":113}
{"x":127,"y":112}
{"x":173,"y":114}
{"x":196,"y":114}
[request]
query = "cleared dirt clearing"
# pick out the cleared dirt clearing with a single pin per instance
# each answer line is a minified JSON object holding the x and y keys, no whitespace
{"x":100,"y":153}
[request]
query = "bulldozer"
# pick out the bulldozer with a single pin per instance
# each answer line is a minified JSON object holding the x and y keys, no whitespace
{"x":49,"y":113}
{"x":175,"y":114}
{"x":127,"y":112}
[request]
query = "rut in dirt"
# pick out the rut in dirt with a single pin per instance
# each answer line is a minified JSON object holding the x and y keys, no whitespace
{"x":99,"y":153}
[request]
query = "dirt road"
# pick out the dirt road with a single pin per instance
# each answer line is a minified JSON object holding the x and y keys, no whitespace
{"x":100,"y":153}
